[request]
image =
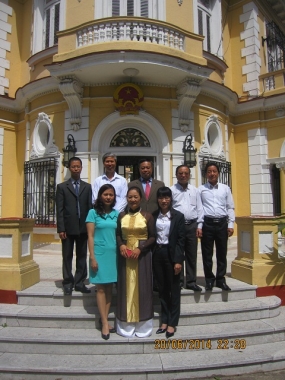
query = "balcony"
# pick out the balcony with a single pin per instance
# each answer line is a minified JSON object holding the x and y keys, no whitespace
{"x":136,"y":31}
{"x":100,"y":51}
{"x":272,"y":83}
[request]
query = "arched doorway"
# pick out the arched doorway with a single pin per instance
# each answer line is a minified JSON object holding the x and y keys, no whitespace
{"x":152,"y":142}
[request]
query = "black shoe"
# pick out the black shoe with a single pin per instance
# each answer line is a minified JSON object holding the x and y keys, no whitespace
{"x":209,"y":286}
{"x":223,"y":286}
{"x":194,"y":287}
{"x":82,"y":289}
{"x":111,"y":330}
{"x":160,"y":331}
{"x":169,"y":334}
{"x":105,"y":337}
{"x":67,"y":290}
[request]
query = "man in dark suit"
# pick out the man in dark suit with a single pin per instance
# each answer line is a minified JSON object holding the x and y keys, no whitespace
{"x":73,"y":201}
{"x":148,"y":185}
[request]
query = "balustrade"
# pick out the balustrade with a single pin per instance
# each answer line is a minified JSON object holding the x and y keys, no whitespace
{"x":130,"y":31}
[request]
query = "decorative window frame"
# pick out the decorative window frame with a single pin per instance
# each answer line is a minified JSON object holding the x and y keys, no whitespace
{"x":279,"y":161}
{"x":38,"y":28}
{"x":43,"y":144}
{"x":213,"y":149}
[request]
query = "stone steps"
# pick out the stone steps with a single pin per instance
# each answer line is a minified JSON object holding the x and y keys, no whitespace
{"x":86,"y":316}
{"x":81,"y":341}
{"x":166,"y":365}
{"x":50,"y":293}
{"x":51,"y":336}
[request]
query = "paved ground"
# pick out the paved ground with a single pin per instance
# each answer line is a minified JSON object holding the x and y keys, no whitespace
{"x":50,"y":261}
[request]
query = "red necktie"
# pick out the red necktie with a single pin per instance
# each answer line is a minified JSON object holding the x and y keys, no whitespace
{"x":147,"y":189}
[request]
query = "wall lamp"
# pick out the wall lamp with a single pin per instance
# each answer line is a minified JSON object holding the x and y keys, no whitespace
{"x":189,"y":152}
{"x":69,"y":151}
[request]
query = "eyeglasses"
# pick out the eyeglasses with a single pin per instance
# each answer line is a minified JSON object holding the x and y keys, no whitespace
{"x":165,"y":198}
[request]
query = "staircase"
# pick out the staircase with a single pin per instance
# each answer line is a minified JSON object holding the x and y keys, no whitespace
{"x":51,"y":336}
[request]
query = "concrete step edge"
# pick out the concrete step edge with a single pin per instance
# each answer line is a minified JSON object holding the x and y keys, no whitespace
{"x":160,"y":366}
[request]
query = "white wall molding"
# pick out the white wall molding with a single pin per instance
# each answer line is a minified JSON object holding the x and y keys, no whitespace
{"x":1,"y":166}
{"x":5,"y":29}
{"x":250,"y":36}
{"x":261,"y":199}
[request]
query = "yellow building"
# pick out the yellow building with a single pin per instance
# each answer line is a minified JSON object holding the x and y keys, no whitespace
{"x":136,"y":77}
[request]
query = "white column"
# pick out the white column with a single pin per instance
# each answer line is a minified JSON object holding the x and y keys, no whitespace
{"x":94,"y":173}
{"x":261,"y":199}
{"x":251,"y":51}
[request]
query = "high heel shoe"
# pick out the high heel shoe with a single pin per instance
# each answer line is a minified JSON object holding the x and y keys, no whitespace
{"x":160,"y":331}
{"x":111,"y":330}
{"x":105,"y":336}
{"x":169,"y":334}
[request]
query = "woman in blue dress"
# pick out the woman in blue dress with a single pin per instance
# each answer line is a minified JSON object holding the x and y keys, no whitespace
{"x":101,"y":225}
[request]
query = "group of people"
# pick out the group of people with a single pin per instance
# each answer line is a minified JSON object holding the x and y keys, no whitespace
{"x":138,"y":236}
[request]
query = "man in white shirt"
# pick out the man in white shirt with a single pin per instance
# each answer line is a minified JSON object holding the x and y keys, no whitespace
{"x":111,"y":177}
{"x":186,"y":199}
{"x":218,"y":226}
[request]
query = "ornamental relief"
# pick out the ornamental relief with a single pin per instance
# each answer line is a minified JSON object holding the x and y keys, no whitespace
{"x":130,"y":137}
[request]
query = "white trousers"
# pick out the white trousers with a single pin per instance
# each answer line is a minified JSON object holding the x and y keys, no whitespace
{"x":131,"y":329}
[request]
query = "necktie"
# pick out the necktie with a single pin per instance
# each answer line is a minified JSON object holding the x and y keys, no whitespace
{"x":77,"y":196}
{"x":147,"y":189}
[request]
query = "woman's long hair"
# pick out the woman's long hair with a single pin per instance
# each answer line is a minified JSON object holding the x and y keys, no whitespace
{"x":99,"y":205}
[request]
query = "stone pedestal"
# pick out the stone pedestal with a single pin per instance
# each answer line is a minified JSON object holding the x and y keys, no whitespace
{"x":18,"y":270}
{"x":258,"y":262}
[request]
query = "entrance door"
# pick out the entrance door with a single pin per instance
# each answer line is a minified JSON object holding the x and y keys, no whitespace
{"x":128,"y":166}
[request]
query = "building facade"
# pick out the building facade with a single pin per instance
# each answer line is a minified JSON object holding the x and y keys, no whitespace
{"x":136,"y":77}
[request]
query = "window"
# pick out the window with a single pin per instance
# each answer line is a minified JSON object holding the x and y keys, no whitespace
{"x":204,"y":22}
{"x":51,"y":22}
{"x":155,"y":9}
{"x":39,"y":191}
{"x":275,"y":40}
{"x":130,"y":8}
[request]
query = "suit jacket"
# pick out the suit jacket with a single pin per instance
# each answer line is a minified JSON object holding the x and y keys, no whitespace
{"x":67,"y":207}
{"x":176,"y":235}
{"x":149,"y":205}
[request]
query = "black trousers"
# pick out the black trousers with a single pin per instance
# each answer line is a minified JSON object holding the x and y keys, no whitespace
{"x":191,"y":244}
{"x":215,"y":233}
{"x":168,"y":286}
{"x":81,"y":256}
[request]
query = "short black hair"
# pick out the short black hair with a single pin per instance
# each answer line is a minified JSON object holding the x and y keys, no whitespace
{"x":74,"y":159}
{"x":181,"y":166}
{"x":212,"y":163}
{"x":145,"y":160}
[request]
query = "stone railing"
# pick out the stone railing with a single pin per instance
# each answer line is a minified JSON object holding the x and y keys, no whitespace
{"x":273,"y":81}
{"x":126,"y":30}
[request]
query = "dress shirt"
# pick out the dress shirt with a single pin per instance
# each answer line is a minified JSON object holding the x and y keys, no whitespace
{"x":120,"y":185}
{"x":188,"y":201}
{"x":163,"y":228}
{"x":143,"y":181}
{"x":218,"y":202}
